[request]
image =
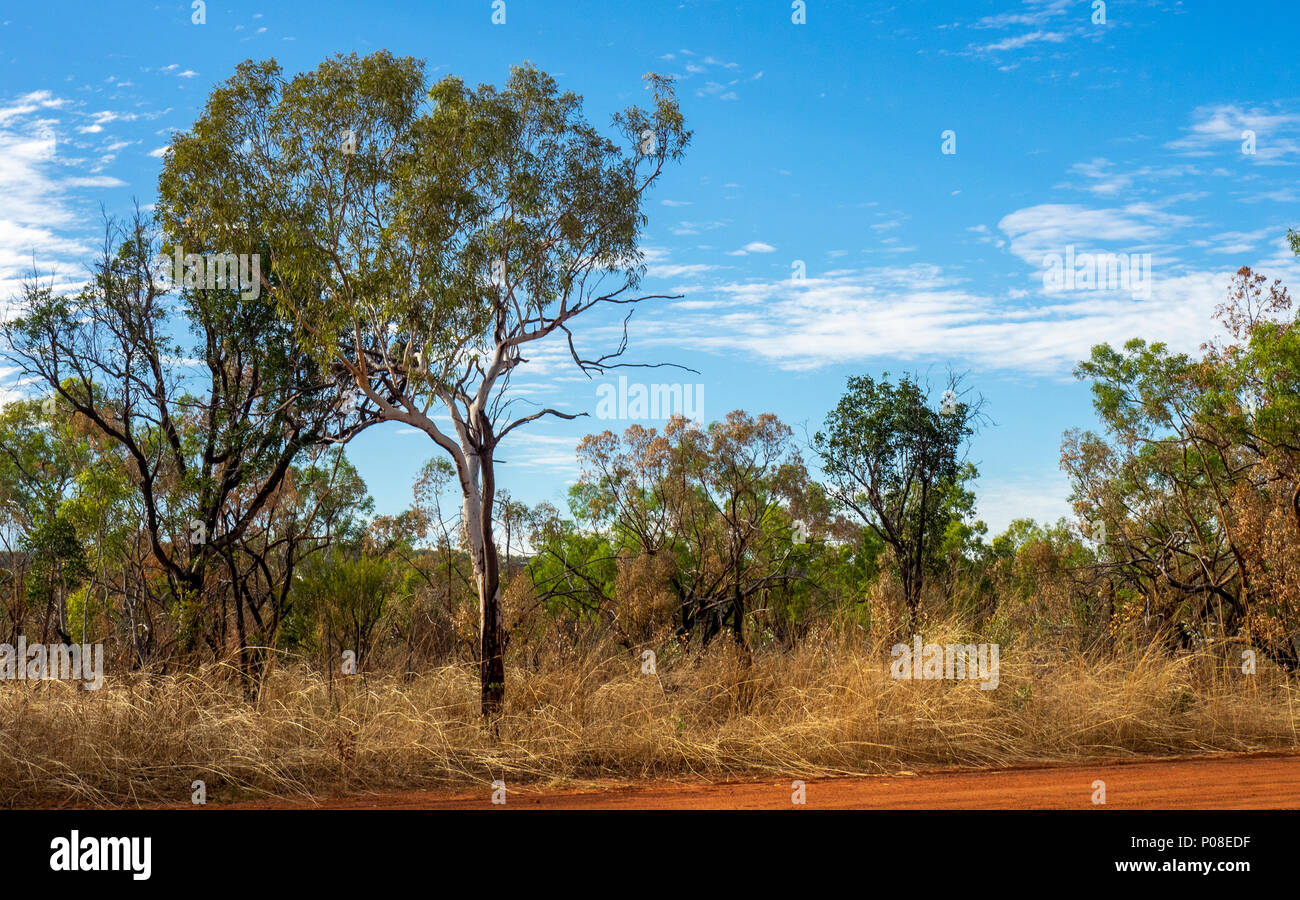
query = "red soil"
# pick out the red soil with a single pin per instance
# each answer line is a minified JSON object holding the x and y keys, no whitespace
{"x":1265,"y":781}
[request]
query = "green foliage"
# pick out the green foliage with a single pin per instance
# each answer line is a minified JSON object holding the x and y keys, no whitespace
{"x":58,"y":563}
{"x":414,"y":237}
{"x":1192,"y":493}
{"x":404,"y":226}
{"x":574,"y":572}
{"x":345,"y":595}
{"x":895,"y":462}
{"x":85,"y":612}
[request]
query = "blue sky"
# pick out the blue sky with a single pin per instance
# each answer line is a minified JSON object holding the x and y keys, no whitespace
{"x":818,"y":143}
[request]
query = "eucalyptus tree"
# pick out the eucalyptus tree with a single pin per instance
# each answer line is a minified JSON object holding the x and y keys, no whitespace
{"x":717,"y":500}
{"x":424,"y":238}
{"x":1161,"y":486}
{"x":206,"y":429}
{"x":895,"y":461}
{"x":1197,"y":478}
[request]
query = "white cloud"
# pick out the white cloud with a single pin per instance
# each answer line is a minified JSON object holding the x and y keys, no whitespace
{"x":94,"y":181}
{"x":689,"y":228}
{"x":1043,"y":498}
{"x":1104,"y":179}
{"x":753,"y":247}
{"x":1036,"y":231}
{"x":659,"y":265}
{"x":1048,"y":22}
{"x":30,"y":103}
{"x":1038,"y":13}
{"x":1237,"y":242}
{"x":46,"y":199}
{"x":684,"y":270}
{"x":918,"y":312}
{"x":1220,"y":127}
{"x":1015,"y":43}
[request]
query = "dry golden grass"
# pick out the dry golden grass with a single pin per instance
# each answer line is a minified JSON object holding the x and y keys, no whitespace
{"x":823,"y":709}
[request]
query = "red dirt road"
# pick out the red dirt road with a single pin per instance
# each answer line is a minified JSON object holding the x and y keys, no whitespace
{"x":1268,"y":781}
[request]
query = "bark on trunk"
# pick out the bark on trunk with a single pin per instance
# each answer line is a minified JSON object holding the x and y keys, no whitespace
{"x":487,"y":575}
{"x":1295,"y":506}
{"x":492,"y":669}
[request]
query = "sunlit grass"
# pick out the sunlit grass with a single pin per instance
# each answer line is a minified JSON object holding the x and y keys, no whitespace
{"x":827,"y":707}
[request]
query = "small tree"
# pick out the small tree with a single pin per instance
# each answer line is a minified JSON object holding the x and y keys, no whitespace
{"x":716,"y":500}
{"x":58,"y":566}
{"x":348,"y":593}
{"x":894,"y":461}
{"x":207,"y":446}
{"x":426,"y":237}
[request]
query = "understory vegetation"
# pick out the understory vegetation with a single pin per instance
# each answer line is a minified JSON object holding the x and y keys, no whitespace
{"x":713,"y":598}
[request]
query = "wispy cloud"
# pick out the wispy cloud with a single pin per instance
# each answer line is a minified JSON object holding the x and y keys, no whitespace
{"x":1221,"y":127}
{"x":726,"y":75}
{"x":1023,"y":40}
{"x":46,"y":208}
{"x":1046,"y":228}
{"x":753,"y":247}
{"x":1039,"y":23}
{"x":919,"y":312}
